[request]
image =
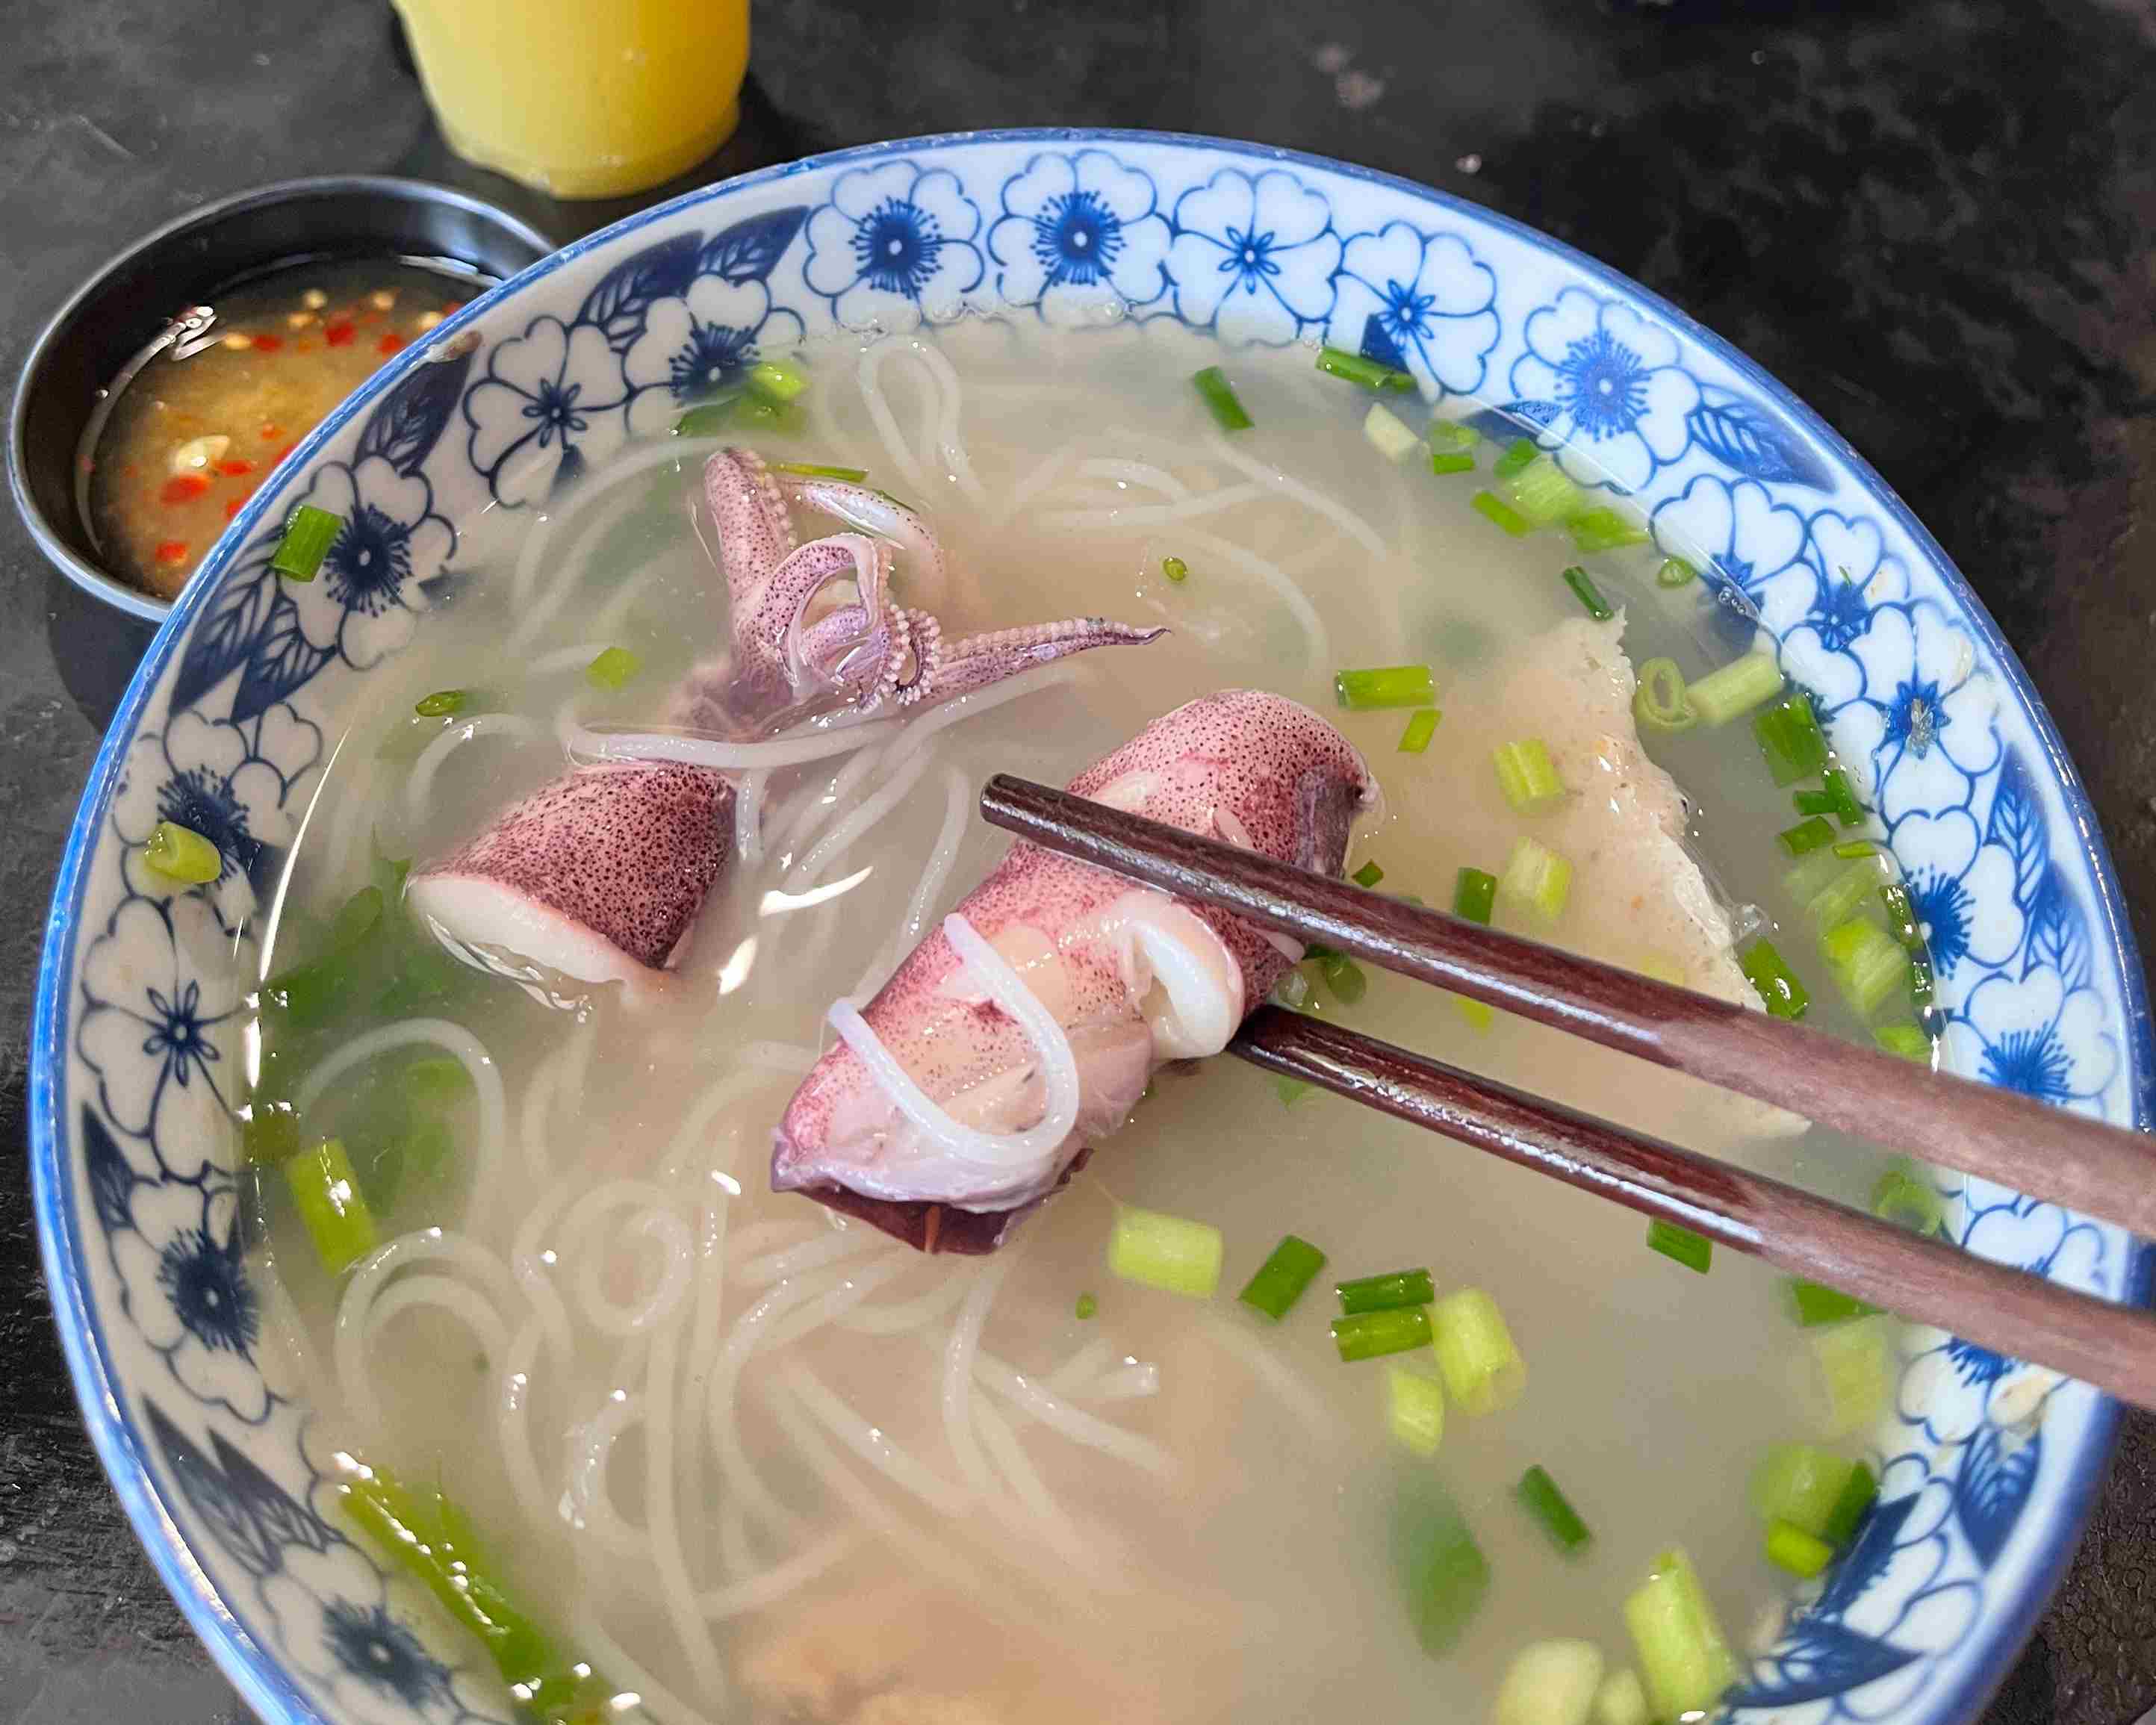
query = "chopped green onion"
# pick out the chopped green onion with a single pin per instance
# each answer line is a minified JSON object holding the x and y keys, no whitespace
{"x":1675,"y":572}
{"x":1414,"y":1410}
{"x":710,"y":419}
{"x":1344,"y":977}
{"x":1737,"y":688}
{"x":1807,"y":835}
{"x":1366,"y":1335}
{"x":1868,"y":964}
{"x":1832,"y":890}
{"x":1281,"y":1279}
{"x":1086,"y":1307}
{"x":309,"y":534}
{"x":1483,"y":1370}
{"x":1389,"y":434}
{"x":1527,"y":775}
{"x":1420,"y":727}
{"x":325,"y":1192}
{"x":435,"y":1079}
{"x":1622,"y":1699}
{"x":1815,"y":1303}
{"x":1852,"y":1374}
{"x":1679,"y":1244}
{"x":1548,"y":1683}
{"x":1660,"y":702}
{"x":1384,"y":1293}
{"x":1220,"y":398}
{"x":1441,"y":1571}
{"x":442,"y":704}
{"x":1836,"y":796}
{"x":1548,"y":1506}
{"x":1815,"y":1489}
{"x":1682,"y":1651}
{"x":429,"y":1537}
{"x":1516,"y":457}
{"x":1291,"y":1090}
{"x":1852,"y":1504}
{"x":1905,"y":1041}
{"x":1473,"y":896}
{"x":1175,"y":568}
{"x":1905,"y":1198}
{"x":1803,"y":1555}
{"x":1924,"y":985}
{"x":181,"y":854}
{"x":1369,"y":874}
{"x":1540,"y":493}
{"x":1451,"y":434}
{"x":1444,"y":461}
{"x":1385,"y":686}
{"x":1604,"y":529}
{"x":1535,"y":878}
{"x":1790,"y":739}
{"x":1167,"y":1252}
{"x":1292,"y":990}
{"x":270,"y":1134}
{"x":613,"y":669}
{"x":779,"y":380}
{"x":1901,"y":915}
{"x":1855,"y":848}
{"x":1588,"y":594}
{"x":1775,"y":983}
{"x":1493,"y":508}
{"x":817,"y":470}
{"x":1355,"y":368}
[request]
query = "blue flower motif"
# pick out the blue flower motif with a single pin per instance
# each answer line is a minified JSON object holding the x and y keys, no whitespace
{"x":1079,"y":233}
{"x":379,"y":1648}
{"x":1253,"y":259}
{"x":1738,"y":535}
{"x":1621,"y":401}
{"x":161,"y":1015}
{"x":550,"y":396}
{"x":1952,"y":1387}
{"x":1925,"y":719}
{"x":182,"y":1271}
{"x":697,"y":343}
{"x":1420,"y":301}
{"x":2036,"y":1035}
{"x":1961,"y":886}
{"x":366,"y":599}
{"x":893,"y":245}
{"x":1852,"y":575}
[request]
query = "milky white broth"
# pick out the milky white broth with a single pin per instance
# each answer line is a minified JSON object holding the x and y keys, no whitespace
{"x":1254,"y":1585}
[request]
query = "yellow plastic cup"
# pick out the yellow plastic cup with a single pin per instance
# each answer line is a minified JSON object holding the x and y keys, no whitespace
{"x":582,"y":98}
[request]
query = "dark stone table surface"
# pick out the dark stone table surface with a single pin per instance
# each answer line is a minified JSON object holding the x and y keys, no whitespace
{"x":1935,"y":221}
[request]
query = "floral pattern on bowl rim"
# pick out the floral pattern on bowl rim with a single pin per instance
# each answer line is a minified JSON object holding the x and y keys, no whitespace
{"x":1988,"y":1465}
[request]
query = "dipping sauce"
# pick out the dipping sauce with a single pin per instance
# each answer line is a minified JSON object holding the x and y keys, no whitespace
{"x":188,"y":440}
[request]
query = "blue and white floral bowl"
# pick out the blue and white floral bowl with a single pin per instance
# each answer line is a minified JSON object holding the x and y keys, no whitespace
{"x":1988,"y":1465}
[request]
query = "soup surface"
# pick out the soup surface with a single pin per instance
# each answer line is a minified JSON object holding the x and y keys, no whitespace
{"x":754,"y":1461}
{"x":188,"y":440}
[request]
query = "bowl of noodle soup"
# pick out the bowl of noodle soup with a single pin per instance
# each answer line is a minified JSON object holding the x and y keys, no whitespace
{"x":733,"y":1455}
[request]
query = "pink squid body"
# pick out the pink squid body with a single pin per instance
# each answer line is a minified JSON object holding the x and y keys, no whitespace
{"x":598,"y":875}
{"x":1132,"y":975}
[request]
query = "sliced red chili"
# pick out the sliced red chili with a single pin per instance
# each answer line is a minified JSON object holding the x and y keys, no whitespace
{"x":391,"y":343}
{"x":267,"y":344}
{"x":232,"y":505}
{"x":339,"y":334}
{"x":270,"y":434}
{"x":172,"y":551}
{"x":184,"y":487}
{"x":233,"y":465}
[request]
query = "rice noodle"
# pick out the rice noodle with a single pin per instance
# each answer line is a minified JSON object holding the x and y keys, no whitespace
{"x":1080,"y":1427}
{"x":420,"y":786}
{"x":512,"y":1423}
{"x":901,"y":1315}
{"x":1051,"y":1523}
{"x":586,"y":1503}
{"x":1318,"y":643}
{"x":636,"y":1684}
{"x":452,"y":1040}
{"x":857,"y":824}
{"x":803,"y":817}
{"x":828,"y":1248}
{"x":873,"y":360}
{"x":760,"y":1591}
{"x":1135,"y":473}
{"x":960,"y":1349}
{"x":851,"y":1289}
{"x":1001,"y":1150}
{"x":1344,"y":518}
{"x":1130,"y":1382}
{"x":1148,"y":515}
{"x":872,"y":1444}
{"x":663,"y":1525}
{"x":748,"y":817}
{"x":585,"y":743}
{"x":563,"y":659}
{"x":1093,"y":1358}
{"x":951,"y":444}
{"x":957,"y":806}
{"x":441,"y":1293}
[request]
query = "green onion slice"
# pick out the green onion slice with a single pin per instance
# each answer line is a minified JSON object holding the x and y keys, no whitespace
{"x":1174,"y":568}
{"x":1445,"y":461}
{"x":1679,"y":1244}
{"x":1385,"y":1293}
{"x":1164,"y":1251}
{"x":1675,"y":572}
{"x":779,"y":380}
{"x":613,"y":669}
{"x":1355,"y":368}
{"x":181,"y":854}
{"x":1518,"y":455}
{"x":1815,"y":1303}
{"x":1604,"y":529}
{"x":1281,"y":1280}
{"x":1369,"y":874}
{"x":1527,"y":775}
{"x":1420,"y":727}
{"x":1538,"y":1493}
{"x":1588,"y":594}
{"x":1807,"y":835}
{"x":1368,"y":1335}
{"x":1483,"y":1370}
{"x":1386,"y":686}
{"x":1804,"y":1555}
{"x":1775,"y":983}
{"x":1659,"y":701}
{"x":1221,"y":400}
{"x":1790,"y":739}
{"x":1493,"y":508}
{"x":1473,"y":896}
{"x":1736,"y":688}
{"x":1414,"y":1410}
{"x":817,"y":470}
{"x":309,"y":534}
{"x":325,"y":1192}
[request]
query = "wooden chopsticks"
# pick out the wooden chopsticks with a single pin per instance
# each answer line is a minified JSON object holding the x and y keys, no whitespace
{"x":2070,"y":1160}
